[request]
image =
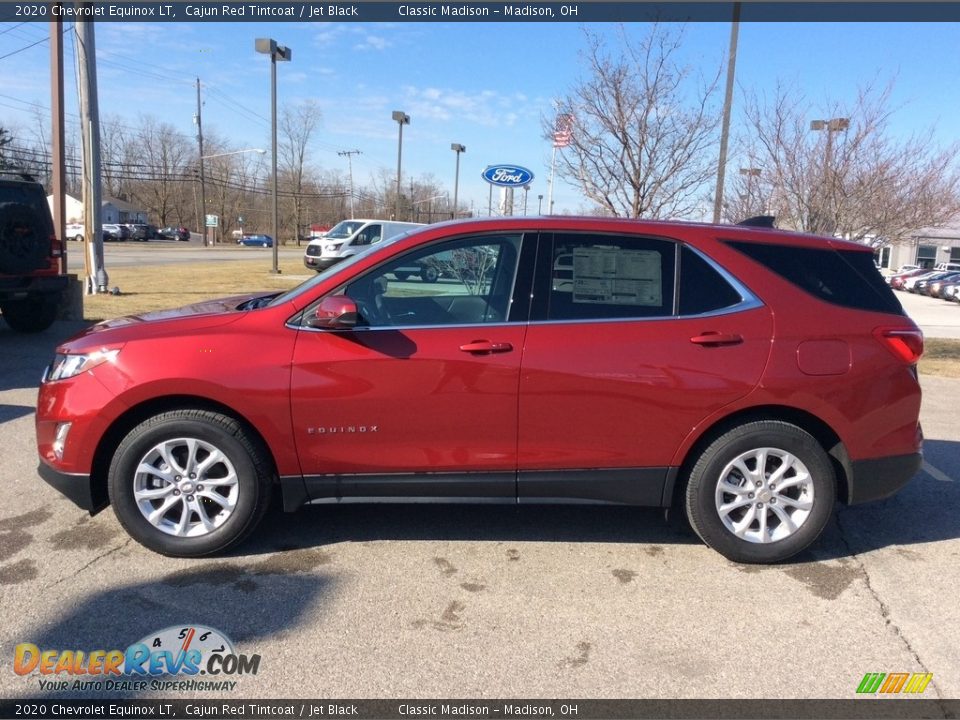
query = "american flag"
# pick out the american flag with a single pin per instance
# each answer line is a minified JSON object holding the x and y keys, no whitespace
{"x":563,"y":134}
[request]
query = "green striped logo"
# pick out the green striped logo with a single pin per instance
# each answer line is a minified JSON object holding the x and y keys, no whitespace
{"x":894,"y":683}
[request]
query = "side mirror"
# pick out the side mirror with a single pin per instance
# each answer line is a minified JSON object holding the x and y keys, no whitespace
{"x":335,"y":312}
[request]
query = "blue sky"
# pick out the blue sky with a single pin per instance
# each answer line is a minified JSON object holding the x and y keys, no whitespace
{"x":485,"y":85}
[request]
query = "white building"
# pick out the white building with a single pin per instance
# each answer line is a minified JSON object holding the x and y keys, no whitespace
{"x":112,"y":210}
{"x":925,"y":247}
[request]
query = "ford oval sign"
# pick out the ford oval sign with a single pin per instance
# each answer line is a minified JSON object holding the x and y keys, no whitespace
{"x":507,"y":175}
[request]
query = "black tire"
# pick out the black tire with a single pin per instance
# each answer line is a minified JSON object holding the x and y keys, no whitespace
{"x":24,"y":246}
{"x":401,"y":276}
{"x":30,"y":315}
{"x":703,"y":492}
{"x":78,"y":238}
{"x":429,"y":274}
{"x":238,"y":448}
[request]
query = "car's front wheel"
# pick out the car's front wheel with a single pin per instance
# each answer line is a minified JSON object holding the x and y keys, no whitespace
{"x":761,"y":492}
{"x":188,"y":483}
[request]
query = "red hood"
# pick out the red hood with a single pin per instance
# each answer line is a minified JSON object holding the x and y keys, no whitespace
{"x":207,"y":307}
{"x":189,"y":318}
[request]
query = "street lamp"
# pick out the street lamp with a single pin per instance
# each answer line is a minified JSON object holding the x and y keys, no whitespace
{"x":830,"y":126}
{"x":268,"y":46}
{"x":203,"y":188}
{"x":457,"y":148}
{"x":539,"y":204}
{"x":401,"y":118}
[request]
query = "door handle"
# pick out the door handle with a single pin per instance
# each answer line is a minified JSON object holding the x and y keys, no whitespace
{"x":715,"y":338}
{"x":485,"y":346}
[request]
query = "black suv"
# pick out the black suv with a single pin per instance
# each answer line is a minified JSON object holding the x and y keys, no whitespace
{"x":31,"y":272}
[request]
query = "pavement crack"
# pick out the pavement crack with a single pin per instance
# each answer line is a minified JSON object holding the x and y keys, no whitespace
{"x":95,"y":560}
{"x":885,"y":612}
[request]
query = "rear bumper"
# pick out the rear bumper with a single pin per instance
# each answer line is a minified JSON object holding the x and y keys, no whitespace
{"x":20,"y":288}
{"x":881,"y":477}
{"x":76,"y":487}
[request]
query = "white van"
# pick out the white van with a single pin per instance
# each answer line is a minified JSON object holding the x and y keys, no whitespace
{"x":350,"y":237}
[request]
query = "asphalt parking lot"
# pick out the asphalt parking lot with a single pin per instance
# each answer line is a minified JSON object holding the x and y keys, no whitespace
{"x":486,"y":602}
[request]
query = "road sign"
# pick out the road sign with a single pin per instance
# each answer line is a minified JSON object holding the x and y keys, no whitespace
{"x":213,"y":221}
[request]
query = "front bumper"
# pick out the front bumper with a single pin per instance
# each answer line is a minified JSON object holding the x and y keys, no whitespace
{"x":76,"y":487}
{"x":881,"y":477}
{"x":319,"y":263}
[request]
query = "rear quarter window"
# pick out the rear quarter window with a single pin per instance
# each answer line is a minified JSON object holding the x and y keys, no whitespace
{"x":841,"y":277}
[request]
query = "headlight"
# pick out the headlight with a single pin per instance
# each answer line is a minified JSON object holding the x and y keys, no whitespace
{"x":67,"y":366}
{"x":333,"y":246}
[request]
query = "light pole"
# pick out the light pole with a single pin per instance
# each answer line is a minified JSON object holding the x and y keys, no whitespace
{"x":750,"y":174}
{"x":539,"y":204}
{"x":830,"y":126}
{"x":203,"y":190}
{"x":457,"y":148}
{"x":401,"y":118}
{"x":268,"y":46}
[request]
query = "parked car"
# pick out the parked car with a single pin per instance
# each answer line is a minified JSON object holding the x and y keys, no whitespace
{"x":934,"y":287}
{"x":948,"y":291}
{"x":749,"y":376}
{"x":113,"y":231}
{"x":74,"y":231}
{"x":142,"y":231}
{"x":32,"y":277}
{"x":256,"y":241}
{"x":898,"y":281}
{"x":175,"y":233}
{"x":922,"y":285}
{"x":910,"y":284}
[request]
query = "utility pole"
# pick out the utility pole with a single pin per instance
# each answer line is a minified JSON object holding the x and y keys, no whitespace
{"x":348,"y":154}
{"x":86,"y":54}
{"x":203,"y":180}
{"x":58,"y":169}
{"x":727,"y":105}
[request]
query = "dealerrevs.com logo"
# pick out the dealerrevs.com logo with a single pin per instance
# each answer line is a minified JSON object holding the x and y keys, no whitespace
{"x":192,"y":650}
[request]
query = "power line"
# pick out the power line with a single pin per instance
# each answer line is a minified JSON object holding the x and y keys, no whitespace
{"x":27,"y":47}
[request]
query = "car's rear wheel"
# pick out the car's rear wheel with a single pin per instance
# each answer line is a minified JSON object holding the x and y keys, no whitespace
{"x":761,"y":492}
{"x":30,"y":315}
{"x":429,"y":274}
{"x":188,"y":483}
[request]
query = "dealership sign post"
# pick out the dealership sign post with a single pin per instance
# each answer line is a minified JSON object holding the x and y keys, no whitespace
{"x":507,"y":177}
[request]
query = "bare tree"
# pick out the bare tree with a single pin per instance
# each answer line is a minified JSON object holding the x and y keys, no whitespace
{"x":853,"y":178}
{"x":297,"y":125}
{"x":644,"y":129}
{"x":165,"y":158}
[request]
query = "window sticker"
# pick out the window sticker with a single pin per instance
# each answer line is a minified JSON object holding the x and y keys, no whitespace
{"x":615,"y":276}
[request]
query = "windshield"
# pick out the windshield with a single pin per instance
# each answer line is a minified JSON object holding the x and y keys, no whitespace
{"x":343,"y":230}
{"x":307,"y":285}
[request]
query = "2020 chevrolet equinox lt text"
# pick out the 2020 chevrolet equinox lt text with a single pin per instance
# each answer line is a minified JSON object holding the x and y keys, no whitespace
{"x":749,"y":376}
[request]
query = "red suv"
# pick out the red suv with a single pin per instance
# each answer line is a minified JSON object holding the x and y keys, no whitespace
{"x":749,"y":376}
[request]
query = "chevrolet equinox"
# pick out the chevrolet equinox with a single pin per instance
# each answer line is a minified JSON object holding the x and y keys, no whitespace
{"x":746,"y":376}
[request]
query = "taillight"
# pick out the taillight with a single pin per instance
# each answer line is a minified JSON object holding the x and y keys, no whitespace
{"x":56,"y":247}
{"x":905,"y":343}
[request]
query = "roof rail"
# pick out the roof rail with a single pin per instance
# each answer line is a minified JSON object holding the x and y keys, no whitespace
{"x":766,"y":221}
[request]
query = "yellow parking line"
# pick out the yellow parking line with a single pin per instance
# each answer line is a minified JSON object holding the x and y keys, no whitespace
{"x":935,"y":473}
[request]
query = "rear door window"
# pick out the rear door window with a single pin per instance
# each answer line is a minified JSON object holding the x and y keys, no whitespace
{"x":842,"y":277}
